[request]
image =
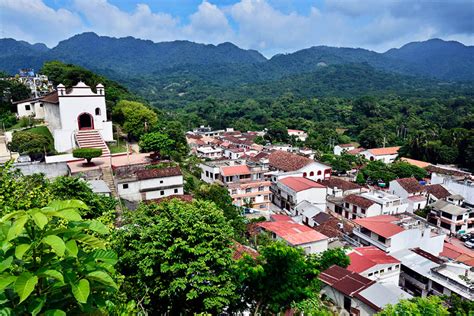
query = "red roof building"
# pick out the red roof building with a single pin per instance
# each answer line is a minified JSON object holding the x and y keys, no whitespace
{"x":299,"y":184}
{"x":410,"y":185}
{"x":374,"y":264}
{"x":285,"y":161}
{"x":382,"y":225}
{"x":384,"y":151}
{"x":230,"y":171}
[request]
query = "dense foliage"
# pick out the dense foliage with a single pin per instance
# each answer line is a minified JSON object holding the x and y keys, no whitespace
{"x":420,"y":306}
{"x":87,"y":153}
{"x":377,"y":171}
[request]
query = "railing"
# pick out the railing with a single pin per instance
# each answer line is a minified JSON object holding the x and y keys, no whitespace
{"x":352,"y":241}
{"x":374,"y":242}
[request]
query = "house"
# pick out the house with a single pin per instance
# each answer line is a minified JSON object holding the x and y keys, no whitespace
{"x":100,"y":187}
{"x":423,"y":274}
{"x":392,"y":233}
{"x":453,"y":218}
{"x":368,"y":204}
{"x":456,"y":181}
{"x":331,"y":226}
{"x":375,"y":264}
{"x":285,"y":162}
{"x":136,"y":183}
{"x":308,"y":211}
{"x":207,"y":131}
{"x":436,"y":192}
{"x":340,"y":187}
{"x":234,"y":153}
{"x":342,"y":148}
{"x":297,"y":235}
{"x":288,"y":192}
{"x":210,"y":152}
{"x":299,"y":134}
{"x":357,"y":295}
{"x":244,"y":179}
{"x":76,"y":117}
{"x":385,"y":154}
{"x":411,"y":191}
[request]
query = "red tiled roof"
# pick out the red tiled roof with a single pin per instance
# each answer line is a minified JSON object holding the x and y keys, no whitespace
{"x":414,"y":162}
{"x":235,"y":170}
{"x":358,"y":200}
{"x":345,"y":281}
{"x":411,"y":185}
{"x":456,"y":253}
{"x":382,"y":225}
{"x":384,"y":151}
{"x":355,"y":151}
{"x":158,"y":173}
{"x":293,"y":233}
{"x":280,"y":217}
{"x":283,"y":160}
{"x":364,"y":258}
{"x":340,"y":184}
{"x":299,"y":184}
{"x":51,"y":97}
{"x":451,"y":172}
{"x":240,"y":250}
{"x":295,"y":131}
{"x":346,"y":145}
{"x":438,"y":191}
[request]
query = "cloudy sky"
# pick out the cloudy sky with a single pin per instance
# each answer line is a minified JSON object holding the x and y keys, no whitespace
{"x":270,"y":26}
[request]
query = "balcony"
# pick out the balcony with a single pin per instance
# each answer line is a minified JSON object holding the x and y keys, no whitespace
{"x":370,"y":240}
{"x":414,"y":281}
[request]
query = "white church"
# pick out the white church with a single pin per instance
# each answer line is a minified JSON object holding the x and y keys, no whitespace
{"x":75,"y":116}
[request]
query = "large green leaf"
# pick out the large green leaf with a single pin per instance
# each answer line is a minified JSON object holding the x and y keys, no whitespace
{"x":71,"y":247}
{"x":10,"y":215}
{"x":102,"y":277}
{"x":40,"y":219}
{"x":56,"y":206}
{"x":81,"y":291}
{"x":98,"y":227}
{"x":36,"y":305}
{"x":53,"y":274}
{"x":17,"y":228}
{"x":56,"y":243}
{"x":91,"y":241}
{"x":107,"y":256}
{"x":69,"y":214}
{"x":5,"y":264}
{"x":20,"y":250}
{"x":25,"y":285}
{"x":6,"y":311}
{"x":6,"y":280}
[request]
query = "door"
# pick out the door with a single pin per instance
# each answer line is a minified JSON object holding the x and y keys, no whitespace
{"x":85,"y":121}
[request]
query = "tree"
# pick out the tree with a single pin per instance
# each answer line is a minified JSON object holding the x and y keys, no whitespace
{"x":52,"y":263}
{"x":25,"y":142}
{"x":277,"y":132}
{"x":422,"y":306}
{"x":333,"y":256}
{"x":459,"y":306}
{"x":177,"y":257}
{"x":158,"y":143}
{"x":280,"y":276}
{"x":135,"y":117}
{"x":405,"y":170}
{"x":375,"y":135}
{"x":87,"y":153}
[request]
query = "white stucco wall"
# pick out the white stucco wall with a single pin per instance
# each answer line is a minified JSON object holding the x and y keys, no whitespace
{"x":338,"y":299}
{"x":22,"y":111}
{"x":316,"y":196}
{"x":315,"y":167}
{"x":153,"y":187}
{"x":413,"y":238}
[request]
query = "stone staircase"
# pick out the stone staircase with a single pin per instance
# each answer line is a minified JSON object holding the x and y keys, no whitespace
{"x":108,"y":177}
{"x":92,"y":139}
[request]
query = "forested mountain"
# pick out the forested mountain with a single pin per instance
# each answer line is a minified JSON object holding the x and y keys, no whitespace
{"x":177,"y":72}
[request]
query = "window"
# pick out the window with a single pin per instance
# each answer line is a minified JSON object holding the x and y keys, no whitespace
{"x":125,"y":186}
{"x":27,"y":107}
{"x":376,"y":272}
{"x":389,"y":269}
{"x":176,"y":191}
{"x":248,"y":190}
{"x":162,"y":192}
{"x":161,"y":181}
{"x":234,"y":191}
{"x":319,"y":172}
{"x":354,"y":208}
{"x":305,"y":174}
{"x":371,"y":274}
{"x":397,"y":266}
{"x":261,"y":188}
{"x":41,"y":105}
{"x":362,"y":210}
{"x":382,"y":271}
{"x":311,"y":174}
{"x":381,"y":239}
{"x":347,"y":205}
{"x":207,"y":174}
{"x":97,"y":111}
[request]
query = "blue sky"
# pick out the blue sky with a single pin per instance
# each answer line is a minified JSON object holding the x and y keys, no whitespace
{"x":270,"y":26}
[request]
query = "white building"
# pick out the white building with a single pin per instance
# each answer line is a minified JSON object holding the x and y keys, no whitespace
{"x":297,"y":235}
{"x":453,"y":218}
{"x":375,"y":264}
{"x":288,"y":192}
{"x":373,"y":203}
{"x":210,"y":152}
{"x":67,"y":112}
{"x":148,"y":184}
{"x":301,"y":135}
{"x":385,"y":154}
{"x":285,"y":162}
{"x":423,"y":274}
{"x":456,"y":181}
{"x":411,"y":191}
{"x":341,"y":148}
{"x":355,"y":294}
{"x":393,"y":233}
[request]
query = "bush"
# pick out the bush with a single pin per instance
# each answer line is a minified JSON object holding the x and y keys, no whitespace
{"x":87,"y":153}
{"x":26,"y":142}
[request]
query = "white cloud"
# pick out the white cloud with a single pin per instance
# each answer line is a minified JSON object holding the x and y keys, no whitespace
{"x":33,"y":21}
{"x":256,"y":24}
